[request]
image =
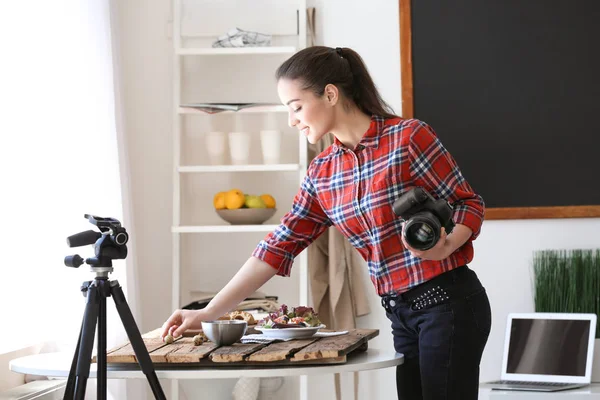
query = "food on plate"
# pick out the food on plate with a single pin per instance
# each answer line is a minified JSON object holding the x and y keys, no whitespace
{"x":243,"y":316}
{"x":297,"y":317}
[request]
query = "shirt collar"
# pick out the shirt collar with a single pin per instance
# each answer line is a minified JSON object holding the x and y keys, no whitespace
{"x":369,"y":139}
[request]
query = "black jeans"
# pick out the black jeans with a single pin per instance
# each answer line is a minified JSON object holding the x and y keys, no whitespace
{"x":441,"y":327}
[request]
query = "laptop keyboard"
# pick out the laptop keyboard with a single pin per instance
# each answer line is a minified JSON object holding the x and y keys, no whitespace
{"x":536,"y":384}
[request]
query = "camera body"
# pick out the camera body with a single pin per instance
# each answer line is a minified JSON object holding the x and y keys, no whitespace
{"x":425,"y":216}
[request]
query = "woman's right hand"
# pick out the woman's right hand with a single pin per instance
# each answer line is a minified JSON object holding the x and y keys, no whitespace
{"x":182,"y":320}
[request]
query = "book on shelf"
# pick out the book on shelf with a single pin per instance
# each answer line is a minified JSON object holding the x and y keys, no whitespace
{"x":213,"y":108}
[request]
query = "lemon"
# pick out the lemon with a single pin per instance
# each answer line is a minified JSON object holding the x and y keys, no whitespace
{"x":219,"y":201}
{"x":268,"y":200}
{"x":234,"y":199}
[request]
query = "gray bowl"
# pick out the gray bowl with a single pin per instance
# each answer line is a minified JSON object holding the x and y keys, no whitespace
{"x":224,"y":332}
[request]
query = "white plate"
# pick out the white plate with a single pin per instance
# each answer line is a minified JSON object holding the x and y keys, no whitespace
{"x":290,"y":333}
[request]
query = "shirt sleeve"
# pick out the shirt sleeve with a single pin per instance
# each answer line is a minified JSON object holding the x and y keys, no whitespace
{"x":299,"y":228}
{"x":434,"y":168}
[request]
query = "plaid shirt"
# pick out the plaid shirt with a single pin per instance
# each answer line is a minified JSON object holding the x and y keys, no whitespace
{"x":355,"y":190}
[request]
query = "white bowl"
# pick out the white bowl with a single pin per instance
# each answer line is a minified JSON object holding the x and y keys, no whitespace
{"x":246,"y":216}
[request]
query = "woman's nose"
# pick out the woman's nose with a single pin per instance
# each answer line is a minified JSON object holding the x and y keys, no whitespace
{"x":292,"y":120}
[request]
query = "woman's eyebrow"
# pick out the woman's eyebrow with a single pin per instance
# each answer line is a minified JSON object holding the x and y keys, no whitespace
{"x":288,"y":103}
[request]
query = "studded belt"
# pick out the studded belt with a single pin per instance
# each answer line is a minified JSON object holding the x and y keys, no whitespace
{"x":439,"y":290}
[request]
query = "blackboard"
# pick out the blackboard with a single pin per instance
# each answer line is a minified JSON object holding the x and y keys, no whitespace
{"x":512,"y":88}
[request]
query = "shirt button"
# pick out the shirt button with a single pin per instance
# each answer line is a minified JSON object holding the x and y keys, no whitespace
{"x":392,"y":303}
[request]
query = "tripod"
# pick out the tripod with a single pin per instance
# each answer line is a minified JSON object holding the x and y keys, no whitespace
{"x":96,"y":292}
{"x":109,"y":244}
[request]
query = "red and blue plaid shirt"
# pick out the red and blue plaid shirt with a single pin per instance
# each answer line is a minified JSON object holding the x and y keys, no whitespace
{"x":354,"y":190}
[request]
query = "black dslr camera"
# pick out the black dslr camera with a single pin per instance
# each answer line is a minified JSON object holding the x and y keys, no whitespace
{"x":424,"y":216}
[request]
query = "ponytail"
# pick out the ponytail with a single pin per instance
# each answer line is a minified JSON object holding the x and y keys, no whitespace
{"x":318,"y":66}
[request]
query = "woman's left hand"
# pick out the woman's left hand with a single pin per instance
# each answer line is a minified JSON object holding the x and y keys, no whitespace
{"x":440,"y":251}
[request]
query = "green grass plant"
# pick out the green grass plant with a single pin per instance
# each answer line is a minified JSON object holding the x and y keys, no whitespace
{"x":567,"y":281}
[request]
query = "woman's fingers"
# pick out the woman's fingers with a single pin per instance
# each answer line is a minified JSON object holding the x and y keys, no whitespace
{"x":172,"y":329}
{"x":178,"y":330}
{"x":174,"y":319}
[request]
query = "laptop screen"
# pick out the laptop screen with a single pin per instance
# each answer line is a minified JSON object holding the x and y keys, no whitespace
{"x":548,"y":347}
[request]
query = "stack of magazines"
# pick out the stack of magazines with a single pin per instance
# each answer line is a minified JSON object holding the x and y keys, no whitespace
{"x":213,"y":108}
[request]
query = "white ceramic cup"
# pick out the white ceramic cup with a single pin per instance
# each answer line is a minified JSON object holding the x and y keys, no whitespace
{"x":270,"y":142}
{"x":239,"y":147}
{"x":215,"y":147}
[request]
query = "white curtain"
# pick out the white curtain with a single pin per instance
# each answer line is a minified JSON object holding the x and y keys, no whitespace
{"x":61,"y":148}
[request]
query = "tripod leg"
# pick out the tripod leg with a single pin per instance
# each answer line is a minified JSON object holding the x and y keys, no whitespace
{"x":86,"y":344}
{"x":101,"y":351}
{"x":70,"y":388}
{"x":136,"y":340}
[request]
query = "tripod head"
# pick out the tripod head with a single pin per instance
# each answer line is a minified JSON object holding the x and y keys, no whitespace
{"x":109,"y":244}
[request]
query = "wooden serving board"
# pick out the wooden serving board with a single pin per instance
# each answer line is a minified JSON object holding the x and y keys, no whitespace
{"x":182,"y":352}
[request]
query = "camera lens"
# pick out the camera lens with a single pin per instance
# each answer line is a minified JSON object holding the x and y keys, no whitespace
{"x":424,"y":234}
{"x":422,"y":231}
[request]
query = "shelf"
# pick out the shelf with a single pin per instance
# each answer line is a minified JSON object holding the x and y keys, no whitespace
{"x":211,"y":51}
{"x":250,"y":110}
{"x":239,"y":168}
{"x":223,"y":228}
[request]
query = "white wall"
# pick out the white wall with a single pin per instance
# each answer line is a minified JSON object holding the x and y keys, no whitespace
{"x":503,"y":251}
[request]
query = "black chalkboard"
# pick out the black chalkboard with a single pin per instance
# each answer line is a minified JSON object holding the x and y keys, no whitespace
{"x":512,"y":88}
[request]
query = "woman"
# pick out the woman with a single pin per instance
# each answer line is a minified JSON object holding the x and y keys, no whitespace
{"x":439,"y":311}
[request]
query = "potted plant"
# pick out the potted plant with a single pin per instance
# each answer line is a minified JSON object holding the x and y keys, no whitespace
{"x":569,"y":281}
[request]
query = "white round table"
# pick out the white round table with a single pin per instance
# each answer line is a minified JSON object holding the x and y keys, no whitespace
{"x":59,"y":364}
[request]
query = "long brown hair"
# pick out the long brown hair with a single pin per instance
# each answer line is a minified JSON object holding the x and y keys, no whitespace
{"x":318,"y":66}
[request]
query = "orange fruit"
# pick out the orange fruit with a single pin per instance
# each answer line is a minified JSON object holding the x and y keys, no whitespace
{"x":219,"y":201}
{"x":234,"y":199}
{"x":269,"y":200}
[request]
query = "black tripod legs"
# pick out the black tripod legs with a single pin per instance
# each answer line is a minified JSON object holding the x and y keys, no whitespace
{"x":95,"y":312}
{"x":135,"y":338}
{"x":80,"y":367}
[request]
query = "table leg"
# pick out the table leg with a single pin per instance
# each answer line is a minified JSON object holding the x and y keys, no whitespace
{"x":303,"y":387}
{"x":174,"y":389}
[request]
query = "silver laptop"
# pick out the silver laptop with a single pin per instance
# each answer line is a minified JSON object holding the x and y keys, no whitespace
{"x":547,"y":352}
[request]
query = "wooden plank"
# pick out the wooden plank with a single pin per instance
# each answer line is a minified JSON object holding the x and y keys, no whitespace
{"x":279,"y":351}
{"x":125,"y":354}
{"x":335,"y":346}
{"x":234,"y":353}
{"x":542,"y":212}
{"x":152,"y":334}
{"x":406,"y":70}
{"x":187,"y":352}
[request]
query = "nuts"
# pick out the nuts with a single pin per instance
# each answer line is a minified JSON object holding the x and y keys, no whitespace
{"x":198,"y":340}
{"x":169,"y":339}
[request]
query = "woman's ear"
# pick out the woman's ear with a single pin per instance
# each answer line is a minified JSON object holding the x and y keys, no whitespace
{"x":332,"y":94}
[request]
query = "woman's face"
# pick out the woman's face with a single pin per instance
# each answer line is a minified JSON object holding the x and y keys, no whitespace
{"x":312,"y":115}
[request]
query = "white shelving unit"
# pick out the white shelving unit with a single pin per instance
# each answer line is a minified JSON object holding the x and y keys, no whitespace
{"x":205,"y":74}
